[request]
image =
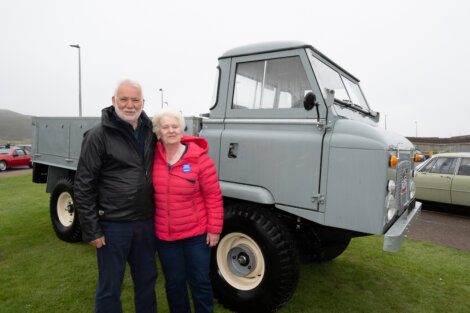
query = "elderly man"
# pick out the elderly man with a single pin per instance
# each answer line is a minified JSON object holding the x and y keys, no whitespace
{"x":114,"y":199}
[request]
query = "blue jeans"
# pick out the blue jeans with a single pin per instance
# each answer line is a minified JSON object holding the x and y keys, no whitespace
{"x":187,"y":261}
{"x":132,"y":242}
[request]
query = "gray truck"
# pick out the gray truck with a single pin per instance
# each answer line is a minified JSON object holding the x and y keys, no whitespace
{"x":302,"y":164}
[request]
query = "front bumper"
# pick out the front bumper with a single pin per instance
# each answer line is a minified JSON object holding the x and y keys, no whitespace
{"x":393,"y":238}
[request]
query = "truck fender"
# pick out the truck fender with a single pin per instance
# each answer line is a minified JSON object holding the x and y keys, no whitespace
{"x":254,"y":194}
{"x":54,"y":174}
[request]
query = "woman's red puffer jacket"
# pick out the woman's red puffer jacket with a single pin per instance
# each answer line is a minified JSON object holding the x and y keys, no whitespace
{"x":187,"y":196}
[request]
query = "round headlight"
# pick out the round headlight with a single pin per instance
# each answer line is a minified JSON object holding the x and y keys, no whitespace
{"x":391,"y":213}
{"x":390,"y":206}
{"x":391,"y":186}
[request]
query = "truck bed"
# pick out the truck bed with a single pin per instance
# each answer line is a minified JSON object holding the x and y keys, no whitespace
{"x":57,"y":140}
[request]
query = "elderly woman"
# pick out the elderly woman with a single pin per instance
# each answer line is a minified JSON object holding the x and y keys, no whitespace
{"x":189,"y":212}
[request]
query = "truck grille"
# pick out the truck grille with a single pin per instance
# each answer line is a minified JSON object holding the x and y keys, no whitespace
{"x":402,"y":191}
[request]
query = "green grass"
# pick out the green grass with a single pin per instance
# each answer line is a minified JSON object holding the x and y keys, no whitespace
{"x":40,"y":273}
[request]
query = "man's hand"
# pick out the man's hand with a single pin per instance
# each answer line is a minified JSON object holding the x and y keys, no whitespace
{"x":98,"y":243}
{"x":212,"y":239}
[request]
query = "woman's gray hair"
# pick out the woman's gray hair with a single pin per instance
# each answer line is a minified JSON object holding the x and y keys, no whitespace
{"x":128,"y":82}
{"x":167,"y":112}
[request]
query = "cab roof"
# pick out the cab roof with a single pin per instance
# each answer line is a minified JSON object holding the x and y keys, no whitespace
{"x":275,"y":46}
{"x":264,"y":47}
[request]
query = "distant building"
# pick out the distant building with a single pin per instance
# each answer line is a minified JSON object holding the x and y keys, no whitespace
{"x":452,"y":144}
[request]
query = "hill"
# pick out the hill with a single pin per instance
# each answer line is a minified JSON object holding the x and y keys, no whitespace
{"x":15,"y":127}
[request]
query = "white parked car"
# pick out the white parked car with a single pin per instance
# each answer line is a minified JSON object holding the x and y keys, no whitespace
{"x":444,"y":178}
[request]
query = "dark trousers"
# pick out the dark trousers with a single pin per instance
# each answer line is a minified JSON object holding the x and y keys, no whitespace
{"x":132,"y":242}
{"x":187,"y":261}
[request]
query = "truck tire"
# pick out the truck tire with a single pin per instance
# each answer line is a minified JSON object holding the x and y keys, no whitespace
{"x":255,"y":266}
{"x":64,"y":220}
{"x":3,"y":166}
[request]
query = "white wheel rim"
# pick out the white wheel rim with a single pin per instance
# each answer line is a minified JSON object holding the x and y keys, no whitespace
{"x":240,"y":260}
{"x":65,"y":211}
{"x":3,"y":166}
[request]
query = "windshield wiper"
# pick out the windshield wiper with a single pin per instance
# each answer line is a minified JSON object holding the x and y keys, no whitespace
{"x":357,"y":107}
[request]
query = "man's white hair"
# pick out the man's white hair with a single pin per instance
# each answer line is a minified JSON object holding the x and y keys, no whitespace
{"x":128,"y":82}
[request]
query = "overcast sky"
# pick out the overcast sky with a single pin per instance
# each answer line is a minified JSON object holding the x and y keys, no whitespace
{"x":412,"y":57}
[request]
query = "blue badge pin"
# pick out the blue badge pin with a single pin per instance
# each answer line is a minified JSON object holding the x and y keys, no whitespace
{"x":186,"y":168}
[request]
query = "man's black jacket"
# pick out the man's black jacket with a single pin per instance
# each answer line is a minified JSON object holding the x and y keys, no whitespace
{"x":113,"y":181}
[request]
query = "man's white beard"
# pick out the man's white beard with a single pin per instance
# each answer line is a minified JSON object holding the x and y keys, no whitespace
{"x":128,"y":118}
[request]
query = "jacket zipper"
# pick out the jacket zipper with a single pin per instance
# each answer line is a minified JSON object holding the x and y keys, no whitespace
{"x":167,"y":196}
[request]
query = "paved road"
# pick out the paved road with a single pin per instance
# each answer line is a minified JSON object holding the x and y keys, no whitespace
{"x":436,"y":225}
{"x":443,"y":226}
{"x":16,"y":171}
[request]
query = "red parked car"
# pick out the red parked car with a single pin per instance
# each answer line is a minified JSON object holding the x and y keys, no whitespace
{"x":14,"y":157}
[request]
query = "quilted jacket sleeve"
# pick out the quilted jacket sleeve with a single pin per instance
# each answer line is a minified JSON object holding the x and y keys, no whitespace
{"x":210,"y":190}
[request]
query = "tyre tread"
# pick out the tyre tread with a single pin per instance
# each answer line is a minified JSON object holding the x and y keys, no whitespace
{"x":285,"y":251}
{"x":74,"y":234}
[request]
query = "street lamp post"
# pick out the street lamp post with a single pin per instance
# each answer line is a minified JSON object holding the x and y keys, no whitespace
{"x":161,"y":90}
{"x":79,"y":80}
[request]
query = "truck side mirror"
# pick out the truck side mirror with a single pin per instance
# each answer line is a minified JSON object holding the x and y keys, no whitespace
{"x":310,"y":101}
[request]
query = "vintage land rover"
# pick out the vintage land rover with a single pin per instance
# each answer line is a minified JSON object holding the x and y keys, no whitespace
{"x":302,"y":164}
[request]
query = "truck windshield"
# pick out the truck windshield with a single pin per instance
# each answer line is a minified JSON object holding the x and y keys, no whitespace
{"x":347,"y":92}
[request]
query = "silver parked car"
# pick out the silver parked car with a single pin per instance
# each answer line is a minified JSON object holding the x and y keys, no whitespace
{"x":445,"y":178}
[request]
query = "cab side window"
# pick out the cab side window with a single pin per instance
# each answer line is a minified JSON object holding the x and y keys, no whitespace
{"x":444,"y":166}
{"x":19,"y":152}
{"x":270,"y":84}
{"x":464,"y":168}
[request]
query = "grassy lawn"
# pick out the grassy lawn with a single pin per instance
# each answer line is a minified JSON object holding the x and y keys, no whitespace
{"x":40,"y":273}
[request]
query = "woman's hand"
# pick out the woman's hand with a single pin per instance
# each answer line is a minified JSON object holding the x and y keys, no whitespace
{"x":212,"y":239}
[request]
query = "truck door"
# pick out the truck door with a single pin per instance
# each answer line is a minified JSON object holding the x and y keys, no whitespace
{"x":270,"y":140}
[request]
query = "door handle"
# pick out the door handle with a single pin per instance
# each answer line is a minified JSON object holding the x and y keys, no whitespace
{"x":233,"y":150}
